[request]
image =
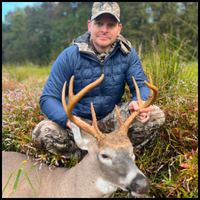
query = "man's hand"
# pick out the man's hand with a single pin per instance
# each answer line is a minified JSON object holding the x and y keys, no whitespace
{"x":145,"y":112}
{"x":68,"y":124}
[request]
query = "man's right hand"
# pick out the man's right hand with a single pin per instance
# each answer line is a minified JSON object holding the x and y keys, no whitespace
{"x":68,"y":124}
{"x":144,"y":115}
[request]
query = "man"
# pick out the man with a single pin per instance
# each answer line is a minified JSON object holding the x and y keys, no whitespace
{"x":100,"y":50}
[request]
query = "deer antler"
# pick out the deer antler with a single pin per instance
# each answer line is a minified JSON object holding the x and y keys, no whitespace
{"x":94,"y":130}
{"x":152,"y":97}
{"x":73,"y":99}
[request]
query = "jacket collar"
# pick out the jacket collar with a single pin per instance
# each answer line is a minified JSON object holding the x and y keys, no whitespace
{"x":83,"y":43}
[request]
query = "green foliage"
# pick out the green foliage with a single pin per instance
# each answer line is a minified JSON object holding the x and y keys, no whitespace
{"x":171,"y":164}
{"x":21,"y":113}
{"x":18,"y":176}
{"x":25,"y":74}
{"x":40,"y":33}
{"x":168,"y":65}
{"x":17,"y":180}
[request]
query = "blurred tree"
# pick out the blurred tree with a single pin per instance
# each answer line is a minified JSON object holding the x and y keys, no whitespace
{"x":38,"y":29}
{"x":13,"y":40}
{"x":41,"y":32}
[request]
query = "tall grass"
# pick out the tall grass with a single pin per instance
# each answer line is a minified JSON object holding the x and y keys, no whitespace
{"x":172,"y":164}
{"x":28,"y":74}
{"x":167,"y":63}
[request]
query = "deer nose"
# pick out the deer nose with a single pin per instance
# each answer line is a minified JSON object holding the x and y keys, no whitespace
{"x":139,"y":184}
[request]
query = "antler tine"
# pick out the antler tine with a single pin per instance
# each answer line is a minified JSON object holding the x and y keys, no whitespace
{"x":152,"y":97}
{"x":120,"y":121}
{"x":119,"y":118}
{"x":151,"y":82}
{"x":153,"y":93}
{"x":98,"y":133}
{"x":138,"y":93}
{"x":73,"y":99}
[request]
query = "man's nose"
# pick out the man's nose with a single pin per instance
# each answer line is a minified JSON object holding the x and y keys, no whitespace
{"x":104,"y":28}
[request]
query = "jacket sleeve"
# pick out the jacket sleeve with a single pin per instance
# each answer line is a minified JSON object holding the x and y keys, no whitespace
{"x":135,"y":69}
{"x":50,"y":100}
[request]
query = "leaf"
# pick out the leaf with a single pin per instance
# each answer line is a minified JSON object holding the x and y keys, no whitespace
{"x":33,"y":123}
{"x":25,"y":161}
{"x":7,"y":99}
{"x":28,"y":138}
{"x":189,"y":179}
{"x":22,"y":134}
{"x":186,"y":138}
{"x":7,"y":182}
{"x":193,"y":152}
{"x":17,"y":180}
{"x":36,"y":172}
{"x":23,"y":150}
{"x":179,"y":195}
{"x":178,"y":171}
{"x":182,"y":190}
{"x":141,"y":166}
{"x":184,"y":165}
{"x":167,"y":147}
{"x":165,"y":177}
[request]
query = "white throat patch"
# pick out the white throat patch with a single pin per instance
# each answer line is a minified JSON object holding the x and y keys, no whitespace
{"x":105,"y":186}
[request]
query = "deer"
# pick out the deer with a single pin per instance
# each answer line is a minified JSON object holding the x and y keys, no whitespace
{"x":108,"y":165}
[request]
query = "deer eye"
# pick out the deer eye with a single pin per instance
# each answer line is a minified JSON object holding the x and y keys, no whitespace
{"x":105,"y":159}
{"x":104,"y":156}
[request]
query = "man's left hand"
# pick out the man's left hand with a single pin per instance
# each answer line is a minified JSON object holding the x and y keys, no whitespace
{"x":144,"y":116}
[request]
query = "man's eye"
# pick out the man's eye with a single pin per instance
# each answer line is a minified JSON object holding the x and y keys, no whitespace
{"x":99,"y":24}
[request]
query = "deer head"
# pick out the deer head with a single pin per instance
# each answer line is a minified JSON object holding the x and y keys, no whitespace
{"x":113,"y":152}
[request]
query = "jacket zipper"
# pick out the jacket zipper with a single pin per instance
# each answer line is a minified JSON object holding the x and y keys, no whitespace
{"x":102,"y":65}
{"x":101,"y":89}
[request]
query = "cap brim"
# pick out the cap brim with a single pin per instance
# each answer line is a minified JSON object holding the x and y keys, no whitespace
{"x":103,"y":12}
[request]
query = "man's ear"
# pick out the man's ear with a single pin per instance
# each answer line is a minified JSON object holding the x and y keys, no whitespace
{"x":89,"y":25}
{"x":119,"y":29}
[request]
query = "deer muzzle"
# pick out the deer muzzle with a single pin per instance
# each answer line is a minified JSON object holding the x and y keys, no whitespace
{"x":139,"y":185}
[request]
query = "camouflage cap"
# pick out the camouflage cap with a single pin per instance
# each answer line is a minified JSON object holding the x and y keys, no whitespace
{"x":99,"y":8}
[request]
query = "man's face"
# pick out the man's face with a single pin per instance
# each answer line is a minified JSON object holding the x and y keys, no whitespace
{"x":104,"y":30}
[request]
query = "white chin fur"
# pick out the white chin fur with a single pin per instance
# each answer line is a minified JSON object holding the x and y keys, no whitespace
{"x":105,"y":186}
{"x":132,"y":193}
{"x":137,"y":195}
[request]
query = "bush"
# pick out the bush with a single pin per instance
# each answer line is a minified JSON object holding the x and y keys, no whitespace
{"x":172,"y":164}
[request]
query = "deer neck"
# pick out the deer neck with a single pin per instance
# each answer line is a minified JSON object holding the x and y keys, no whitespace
{"x":85,"y":180}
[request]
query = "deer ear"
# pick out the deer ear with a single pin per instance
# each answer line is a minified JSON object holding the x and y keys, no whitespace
{"x":81,"y":137}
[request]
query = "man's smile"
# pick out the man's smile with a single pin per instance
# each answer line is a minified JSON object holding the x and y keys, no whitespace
{"x":103,"y":37}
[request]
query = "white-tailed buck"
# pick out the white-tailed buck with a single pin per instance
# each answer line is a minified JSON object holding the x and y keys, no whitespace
{"x":109,"y":164}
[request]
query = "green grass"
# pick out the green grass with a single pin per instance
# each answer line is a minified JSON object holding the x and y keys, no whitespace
{"x":17,"y":178}
{"x":191,"y":69}
{"x":27,"y":74}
